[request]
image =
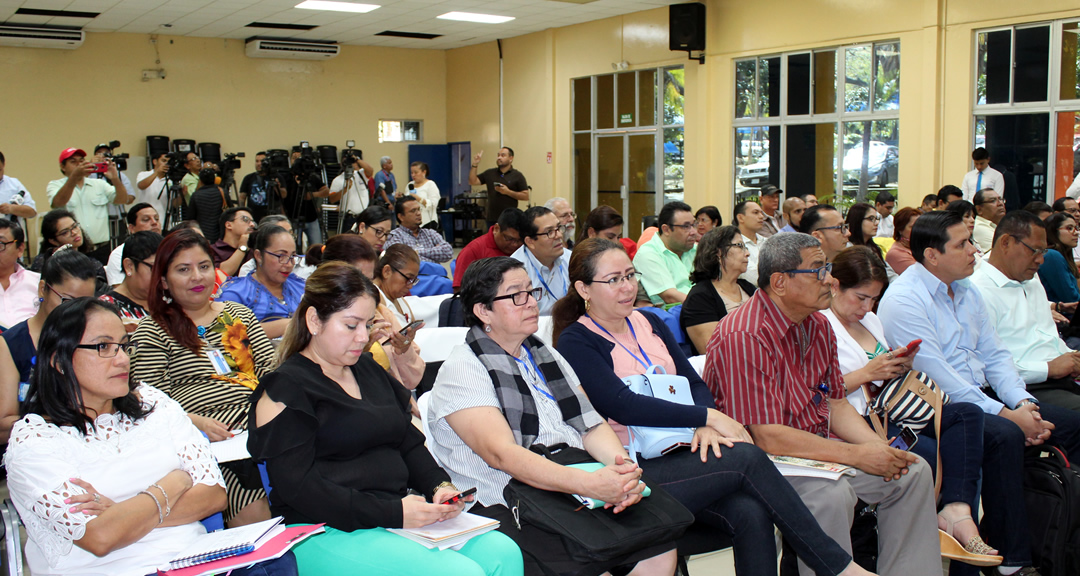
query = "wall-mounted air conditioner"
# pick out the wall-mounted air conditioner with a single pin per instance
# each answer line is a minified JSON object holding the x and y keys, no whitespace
{"x":40,"y":37}
{"x":290,"y":49}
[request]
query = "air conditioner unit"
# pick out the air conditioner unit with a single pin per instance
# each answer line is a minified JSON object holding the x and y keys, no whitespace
{"x":41,"y":37}
{"x":291,"y":49}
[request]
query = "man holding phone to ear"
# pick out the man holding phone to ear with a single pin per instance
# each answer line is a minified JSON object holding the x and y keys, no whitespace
{"x":505,"y":185}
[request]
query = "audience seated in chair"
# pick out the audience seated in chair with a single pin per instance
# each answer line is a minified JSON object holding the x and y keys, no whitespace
{"x":718,"y":289}
{"x":544,"y":255}
{"x":502,"y":239}
{"x":666,"y":260}
{"x":272,"y":292}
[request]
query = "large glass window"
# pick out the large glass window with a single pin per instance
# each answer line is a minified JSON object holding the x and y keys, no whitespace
{"x":838,"y":134}
{"x":1027,"y":106}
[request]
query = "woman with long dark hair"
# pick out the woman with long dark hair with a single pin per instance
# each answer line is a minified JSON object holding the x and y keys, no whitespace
{"x":340,"y":447}
{"x":272,"y":292}
{"x":863,"y":220}
{"x":899,"y":257}
{"x":108,"y":476}
{"x":59,"y":228}
{"x":374,"y":225}
{"x":1058,"y":271}
{"x":208,"y":356}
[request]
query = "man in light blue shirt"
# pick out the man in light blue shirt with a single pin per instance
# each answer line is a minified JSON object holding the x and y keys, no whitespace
{"x":546,"y":260}
{"x":1020,"y":312}
{"x":934,"y":300}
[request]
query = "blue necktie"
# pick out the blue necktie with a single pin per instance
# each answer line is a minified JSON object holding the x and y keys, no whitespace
{"x":978,"y":183}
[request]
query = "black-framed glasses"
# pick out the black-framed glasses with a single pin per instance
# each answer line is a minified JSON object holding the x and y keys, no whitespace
{"x":68,"y":230}
{"x":63,"y":299}
{"x":522,"y":298}
{"x":380,"y":233}
{"x":633,"y":278}
{"x":110,"y":349}
{"x":685,"y":226}
{"x":408,"y":281}
{"x":874,"y":218}
{"x":4,"y":245}
{"x":284,"y":257}
{"x":841,"y":227}
{"x":1037,"y":251}
{"x":144,"y":263}
{"x":820,"y":272}
{"x":551,"y":234}
{"x":991,"y":201}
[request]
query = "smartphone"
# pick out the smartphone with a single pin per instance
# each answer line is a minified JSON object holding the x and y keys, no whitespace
{"x":410,"y":326}
{"x":101,"y":167}
{"x":911,"y":346}
{"x":906,"y":440}
{"x":676,"y":447}
{"x":461,"y":496}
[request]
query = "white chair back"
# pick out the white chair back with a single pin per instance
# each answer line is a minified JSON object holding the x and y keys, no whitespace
{"x":698,"y":362}
{"x":437,"y":343}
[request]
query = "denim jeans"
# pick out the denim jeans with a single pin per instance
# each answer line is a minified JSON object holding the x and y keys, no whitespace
{"x":313,"y":231}
{"x":742,"y":494}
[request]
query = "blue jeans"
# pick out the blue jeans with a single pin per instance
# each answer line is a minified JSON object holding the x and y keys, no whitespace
{"x":743,"y":495}
{"x":312,"y":230}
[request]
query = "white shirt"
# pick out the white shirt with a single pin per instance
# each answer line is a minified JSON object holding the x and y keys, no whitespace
{"x":428,"y":195}
{"x":555,"y":280}
{"x":9,"y":187}
{"x":114,"y":270}
{"x":851,"y":356}
{"x":119,"y":458}
{"x":990,"y":179}
{"x":354,"y":202}
{"x":885,"y":227}
{"x":752,"y":246}
{"x":150,"y":195}
{"x":983,"y":233}
{"x":1074,"y":189}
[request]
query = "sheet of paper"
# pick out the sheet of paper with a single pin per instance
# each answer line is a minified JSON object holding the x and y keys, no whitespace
{"x":234,"y":448}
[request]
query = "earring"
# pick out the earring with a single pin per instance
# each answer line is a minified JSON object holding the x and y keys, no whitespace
{"x":166,"y":299}
{"x":40,"y":300}
{"x":61,"y":371}
{"x":587,"y":306}
{"x":487,"y":327}
{"x":129,"y":274}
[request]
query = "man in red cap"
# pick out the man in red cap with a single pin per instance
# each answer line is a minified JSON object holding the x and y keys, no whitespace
{"x":87,"y":198}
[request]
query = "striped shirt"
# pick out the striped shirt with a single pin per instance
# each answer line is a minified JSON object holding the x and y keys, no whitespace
{"x":429,"y":244}
{"x":764,"y":369}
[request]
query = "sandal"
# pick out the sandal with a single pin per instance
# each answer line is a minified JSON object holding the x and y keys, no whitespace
{"x":976,"y":553}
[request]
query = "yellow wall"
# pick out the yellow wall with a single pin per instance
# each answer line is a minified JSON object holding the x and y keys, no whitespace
{"x":212,"y":92}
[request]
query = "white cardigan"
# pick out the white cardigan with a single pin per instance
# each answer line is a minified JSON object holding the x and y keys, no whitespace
{"x":852,"y":356}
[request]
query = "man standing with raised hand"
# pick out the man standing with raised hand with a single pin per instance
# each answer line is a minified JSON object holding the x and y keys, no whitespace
{"x":505,"y":185}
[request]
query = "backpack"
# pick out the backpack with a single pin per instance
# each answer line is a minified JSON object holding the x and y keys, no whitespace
{"x":1052,"y":495}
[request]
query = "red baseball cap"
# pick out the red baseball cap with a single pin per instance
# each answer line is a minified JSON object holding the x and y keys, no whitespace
{"x":69,"y":152}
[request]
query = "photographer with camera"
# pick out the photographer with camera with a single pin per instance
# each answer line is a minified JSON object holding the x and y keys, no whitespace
{"x":305,"y":186}
{"x":258,"y":189}
{"x":207,"y":204}
{"x":15,"y":201}
{"x":87,"y":198}
{"x":104,"y":153}
{"x":190,"y":182}
{"x":349,"y":189}
{"x":150,"y":184}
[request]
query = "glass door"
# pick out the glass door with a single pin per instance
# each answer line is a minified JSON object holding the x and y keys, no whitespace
{"x":627,"y":178}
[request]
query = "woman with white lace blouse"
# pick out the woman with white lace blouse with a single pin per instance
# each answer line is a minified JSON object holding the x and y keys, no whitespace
{"x":109,"y":478}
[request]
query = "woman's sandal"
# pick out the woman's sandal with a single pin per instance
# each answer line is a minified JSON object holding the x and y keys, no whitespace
{"x":976,"y":553}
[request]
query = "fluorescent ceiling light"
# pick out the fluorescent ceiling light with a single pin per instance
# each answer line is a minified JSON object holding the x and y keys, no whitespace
{"x":470,"y":17}
{"x":336,"y":6}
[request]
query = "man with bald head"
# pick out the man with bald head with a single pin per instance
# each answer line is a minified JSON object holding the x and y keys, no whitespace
{"x":793,"y":211}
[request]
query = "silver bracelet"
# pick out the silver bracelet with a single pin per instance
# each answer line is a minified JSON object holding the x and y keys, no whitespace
{"x":161,"y":517}
{"x":168,"y":508}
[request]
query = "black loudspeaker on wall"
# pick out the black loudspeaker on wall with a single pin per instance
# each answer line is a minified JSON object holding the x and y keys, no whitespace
{"x":686,"y":27}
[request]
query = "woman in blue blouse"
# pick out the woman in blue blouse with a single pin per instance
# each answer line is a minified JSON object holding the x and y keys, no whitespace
{"x":272,"y":291}
{"x":1058,"y":271}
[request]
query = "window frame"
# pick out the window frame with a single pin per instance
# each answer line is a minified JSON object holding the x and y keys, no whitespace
{"x":401,"y":121}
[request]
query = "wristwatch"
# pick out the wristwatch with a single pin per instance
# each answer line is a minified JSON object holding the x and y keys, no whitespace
{"x":1025,"y":402}
{"x":243,"y":248}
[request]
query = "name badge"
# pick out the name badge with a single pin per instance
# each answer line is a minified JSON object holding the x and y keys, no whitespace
{"x":218,"y":360}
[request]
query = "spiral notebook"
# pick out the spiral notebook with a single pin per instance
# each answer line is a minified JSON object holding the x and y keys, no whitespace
{"x":226,"y":543}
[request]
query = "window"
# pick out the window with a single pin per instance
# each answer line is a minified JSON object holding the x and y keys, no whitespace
{"x":401,"y":131}
{"x":1027,"y":105}
{"x":824,"y":122}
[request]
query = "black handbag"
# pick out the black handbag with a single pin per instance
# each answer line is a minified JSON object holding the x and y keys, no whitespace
{"x":596,"y":535}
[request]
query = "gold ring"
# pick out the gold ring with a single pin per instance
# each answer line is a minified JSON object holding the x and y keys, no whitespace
{"x":890,"y":355}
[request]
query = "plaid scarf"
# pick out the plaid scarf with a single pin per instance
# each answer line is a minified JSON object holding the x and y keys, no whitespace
{"x":514,"y":395}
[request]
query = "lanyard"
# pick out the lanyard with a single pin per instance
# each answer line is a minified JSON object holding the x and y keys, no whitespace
{"x":646,"y":362}
{"x":540,"y":277}
{"x":539,"y":374}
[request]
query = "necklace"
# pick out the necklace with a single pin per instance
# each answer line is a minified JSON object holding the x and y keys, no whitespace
{"x":280,"y":299}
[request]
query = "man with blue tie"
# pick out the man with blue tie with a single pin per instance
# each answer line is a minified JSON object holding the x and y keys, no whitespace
{"x":982,"y":177}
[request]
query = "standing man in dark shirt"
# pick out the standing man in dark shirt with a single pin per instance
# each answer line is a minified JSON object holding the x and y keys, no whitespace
{"x":207,"y":204}
{"x":257,"y":189}
{"x":505,"y":185}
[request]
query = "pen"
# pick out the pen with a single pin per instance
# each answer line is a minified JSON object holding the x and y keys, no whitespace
{"x":297,"y":537}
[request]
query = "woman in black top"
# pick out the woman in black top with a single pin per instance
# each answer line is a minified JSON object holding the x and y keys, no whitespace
{"x":130,"y":295}
{"x":339,"y":445}
{"x":721,"y":258}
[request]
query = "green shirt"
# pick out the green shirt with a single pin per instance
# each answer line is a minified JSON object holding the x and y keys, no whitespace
{"x":661,"y":269}
{"x":90,"y":205}
{"x":190,"y":182}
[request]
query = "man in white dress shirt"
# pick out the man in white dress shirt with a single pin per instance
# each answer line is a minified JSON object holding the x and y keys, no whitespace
{"x":982,"y":177}
{"x":750,"y":218}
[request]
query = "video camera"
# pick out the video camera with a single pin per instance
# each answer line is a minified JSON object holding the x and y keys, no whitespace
{"x":230,"y":162}
{"x":119,"y":159}
{"x":350,"y":155}
{"x":308,"y":162}
{"x":178,"y":165}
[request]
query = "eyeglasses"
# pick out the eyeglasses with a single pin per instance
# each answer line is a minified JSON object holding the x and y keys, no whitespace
{"x":67,"y":231}
{"x":522,"y":298}
{"x":63,"y":299}
{"x":144,"y":263}
{"x":686,"y":226}
{"x":4,"y":245}
{"x":284,"y":257}
{"x":820,"y":272}
{"x":873,"y":218}
{"x":633,"y":278}
{"x":842,"y":228}
{"x":244,"y":219}
{"x":110,"y":349}
{"x":408,"y":281}
{"x":380,"y":233}
{"x":739,"y":245}
{"x":551,"y":234}
{"x":1037,"y":251}
{"x":991,"y":201}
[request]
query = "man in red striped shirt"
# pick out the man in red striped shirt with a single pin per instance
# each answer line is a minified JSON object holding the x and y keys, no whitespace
{"x":772,"y":365}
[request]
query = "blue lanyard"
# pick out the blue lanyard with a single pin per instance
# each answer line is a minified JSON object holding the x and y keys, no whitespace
{"x":540,"y":277}
{"x":646,"y":362}
{"x":539,"y":374}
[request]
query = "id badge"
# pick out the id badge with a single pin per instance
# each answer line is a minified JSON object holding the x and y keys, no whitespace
{"x":218,"y":360}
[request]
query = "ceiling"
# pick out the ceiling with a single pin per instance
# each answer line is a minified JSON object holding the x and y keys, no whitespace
{"x":229,"y":18}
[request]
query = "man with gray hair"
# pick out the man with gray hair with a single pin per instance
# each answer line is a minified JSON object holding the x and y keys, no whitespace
{"x":385,"y":183}
{"x":561,"y":207}
{"x":772,"y":365}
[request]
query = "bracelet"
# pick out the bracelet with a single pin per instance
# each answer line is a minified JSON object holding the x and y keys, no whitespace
{"x":474,"y":166}
{"x":445,"y":484}
{"x":161,"y":517}
{"x":168,"y":508}
{"x":1025,"y":402}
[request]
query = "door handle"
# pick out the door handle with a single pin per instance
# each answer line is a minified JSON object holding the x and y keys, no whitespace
{"x":623,"y":193}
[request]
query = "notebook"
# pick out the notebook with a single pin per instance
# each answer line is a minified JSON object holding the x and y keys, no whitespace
{"x":225,"y":543}
{"x":275,"y":548}
{"x":452,"y":533}
{"x":234,"y":448}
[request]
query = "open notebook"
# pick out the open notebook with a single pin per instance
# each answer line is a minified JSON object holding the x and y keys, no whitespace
{"x":225,"y":543}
